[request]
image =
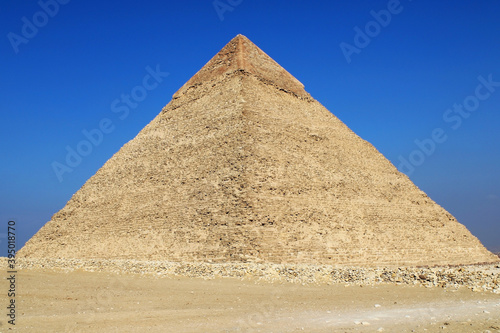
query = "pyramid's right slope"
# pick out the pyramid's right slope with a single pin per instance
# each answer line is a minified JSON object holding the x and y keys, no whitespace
{"x":243,"y":165}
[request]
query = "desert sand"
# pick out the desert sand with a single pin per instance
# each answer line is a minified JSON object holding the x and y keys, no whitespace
{"x":79,"y":301}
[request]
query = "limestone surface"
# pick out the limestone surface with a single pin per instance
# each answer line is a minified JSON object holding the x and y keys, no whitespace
{"x":243,"y":165}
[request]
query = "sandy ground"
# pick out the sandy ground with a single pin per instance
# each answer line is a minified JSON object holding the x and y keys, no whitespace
{"x":99,"y":302}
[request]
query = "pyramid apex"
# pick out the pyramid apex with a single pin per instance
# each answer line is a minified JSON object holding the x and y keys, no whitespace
{"x":241,"y":55}
{"x":242,"y":37}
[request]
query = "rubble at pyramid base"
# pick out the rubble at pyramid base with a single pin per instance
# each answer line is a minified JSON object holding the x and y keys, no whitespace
{"x":480,"y":277}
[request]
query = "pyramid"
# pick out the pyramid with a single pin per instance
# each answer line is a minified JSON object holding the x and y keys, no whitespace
{"x":243,"y":165}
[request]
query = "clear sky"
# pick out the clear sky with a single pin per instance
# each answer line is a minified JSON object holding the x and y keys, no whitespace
{"x":393,"y":71}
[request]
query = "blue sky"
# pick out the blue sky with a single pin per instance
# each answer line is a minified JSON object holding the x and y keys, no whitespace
{"x":395,"y":80}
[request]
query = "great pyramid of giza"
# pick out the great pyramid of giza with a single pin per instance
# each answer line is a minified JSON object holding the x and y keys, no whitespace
{"x":243,"y":165}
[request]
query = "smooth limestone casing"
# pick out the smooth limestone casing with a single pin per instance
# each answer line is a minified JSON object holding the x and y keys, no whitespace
{"x":244,"y":166}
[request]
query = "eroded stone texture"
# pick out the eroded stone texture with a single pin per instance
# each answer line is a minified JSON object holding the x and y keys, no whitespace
{"x":244,"y":166}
